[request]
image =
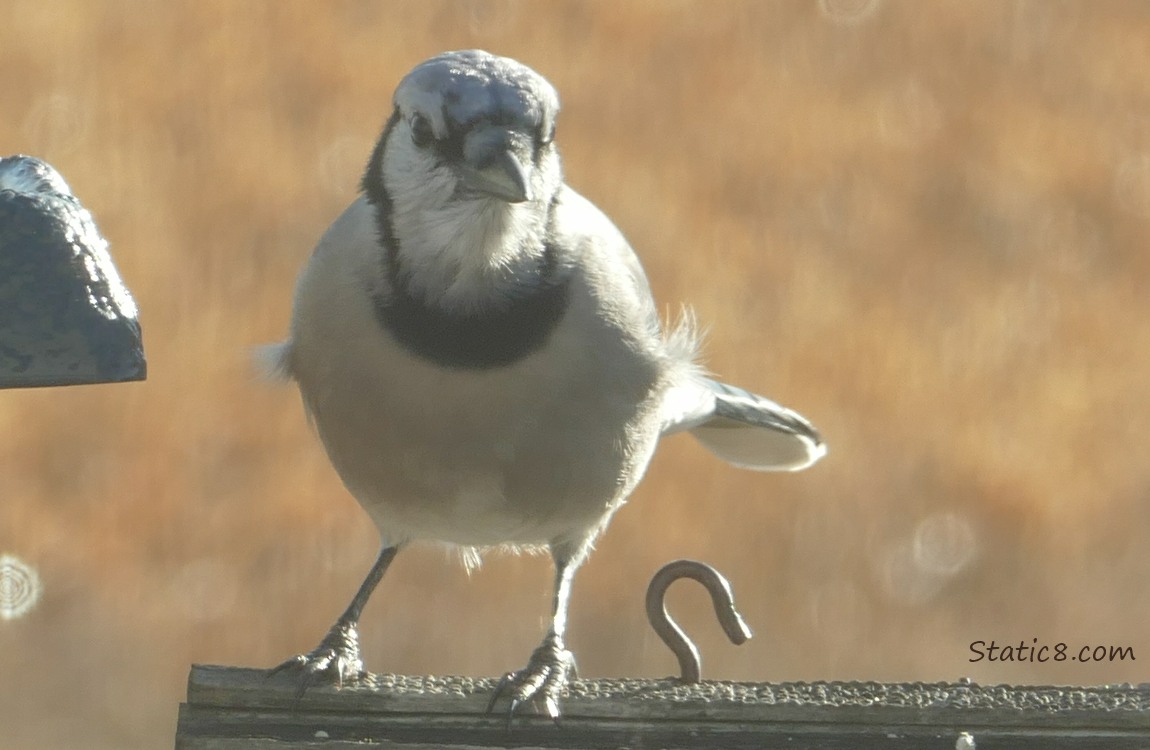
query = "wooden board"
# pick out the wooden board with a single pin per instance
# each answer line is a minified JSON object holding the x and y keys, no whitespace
{"x":230,"y":708}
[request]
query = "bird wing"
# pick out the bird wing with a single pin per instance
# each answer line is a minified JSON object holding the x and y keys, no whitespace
{"x":739,"y":427}
{"x":742,"y":428}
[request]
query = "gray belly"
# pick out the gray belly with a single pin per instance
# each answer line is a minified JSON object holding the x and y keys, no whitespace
{"x":517,"y":456}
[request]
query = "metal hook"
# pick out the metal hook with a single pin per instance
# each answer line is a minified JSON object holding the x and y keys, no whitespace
{"x":667,"y":629}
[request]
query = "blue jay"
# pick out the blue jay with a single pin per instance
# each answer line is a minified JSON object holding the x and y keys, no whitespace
{"x":479,"y":350}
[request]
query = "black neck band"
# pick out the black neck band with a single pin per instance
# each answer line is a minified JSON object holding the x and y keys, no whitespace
{"x":512,"y":326}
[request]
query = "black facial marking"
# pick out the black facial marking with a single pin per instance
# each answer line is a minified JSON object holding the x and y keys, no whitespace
{"x":372,"y":182}
{"x":421,"y":133}
{"x":504,"y":332}
{"x":543,"y":138}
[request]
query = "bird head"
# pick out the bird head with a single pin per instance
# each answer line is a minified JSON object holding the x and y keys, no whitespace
{"x":466,"y":176}
{"x":475,"y":126}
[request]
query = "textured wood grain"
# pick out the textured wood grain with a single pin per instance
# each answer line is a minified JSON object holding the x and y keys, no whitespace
{"x":232,"y":708}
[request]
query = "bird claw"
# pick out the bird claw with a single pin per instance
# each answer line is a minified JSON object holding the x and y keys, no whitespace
{"x":335,"y":661}
{"x":546,"y":675}
{"x":552,"y":707}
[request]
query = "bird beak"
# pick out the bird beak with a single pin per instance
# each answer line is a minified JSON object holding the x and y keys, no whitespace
{"x":497,"y":171}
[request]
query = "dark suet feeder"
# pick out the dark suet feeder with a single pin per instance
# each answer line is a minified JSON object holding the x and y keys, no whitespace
{"x":66,"y":318}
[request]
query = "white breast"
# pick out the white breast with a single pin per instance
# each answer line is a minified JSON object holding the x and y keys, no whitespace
{"x":521,"y":454}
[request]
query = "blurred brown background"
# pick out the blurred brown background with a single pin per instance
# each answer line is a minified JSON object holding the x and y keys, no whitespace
{"x":924,"y":225}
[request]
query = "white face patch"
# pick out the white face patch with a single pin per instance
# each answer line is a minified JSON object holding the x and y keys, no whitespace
{"x":458,"y":251}
{"x":458,"y":245}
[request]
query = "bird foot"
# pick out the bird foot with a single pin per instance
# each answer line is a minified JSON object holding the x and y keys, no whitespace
{"x":545,"y":676}
{"x":335,"y":661}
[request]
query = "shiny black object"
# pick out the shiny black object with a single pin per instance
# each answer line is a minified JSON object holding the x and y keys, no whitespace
{"x":66,"y":318}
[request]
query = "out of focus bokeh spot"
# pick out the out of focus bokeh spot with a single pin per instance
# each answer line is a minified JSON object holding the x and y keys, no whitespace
{"x":924,"y":225}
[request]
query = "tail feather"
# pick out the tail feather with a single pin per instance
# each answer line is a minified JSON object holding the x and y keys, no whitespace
{"x":756,"y":433}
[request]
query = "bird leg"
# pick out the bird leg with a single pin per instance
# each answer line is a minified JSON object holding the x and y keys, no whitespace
{"x":336,"y":659}
{"x":550,"y":666}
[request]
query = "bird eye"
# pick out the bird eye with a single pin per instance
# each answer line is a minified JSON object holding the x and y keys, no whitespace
{"x":421,"y":132}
